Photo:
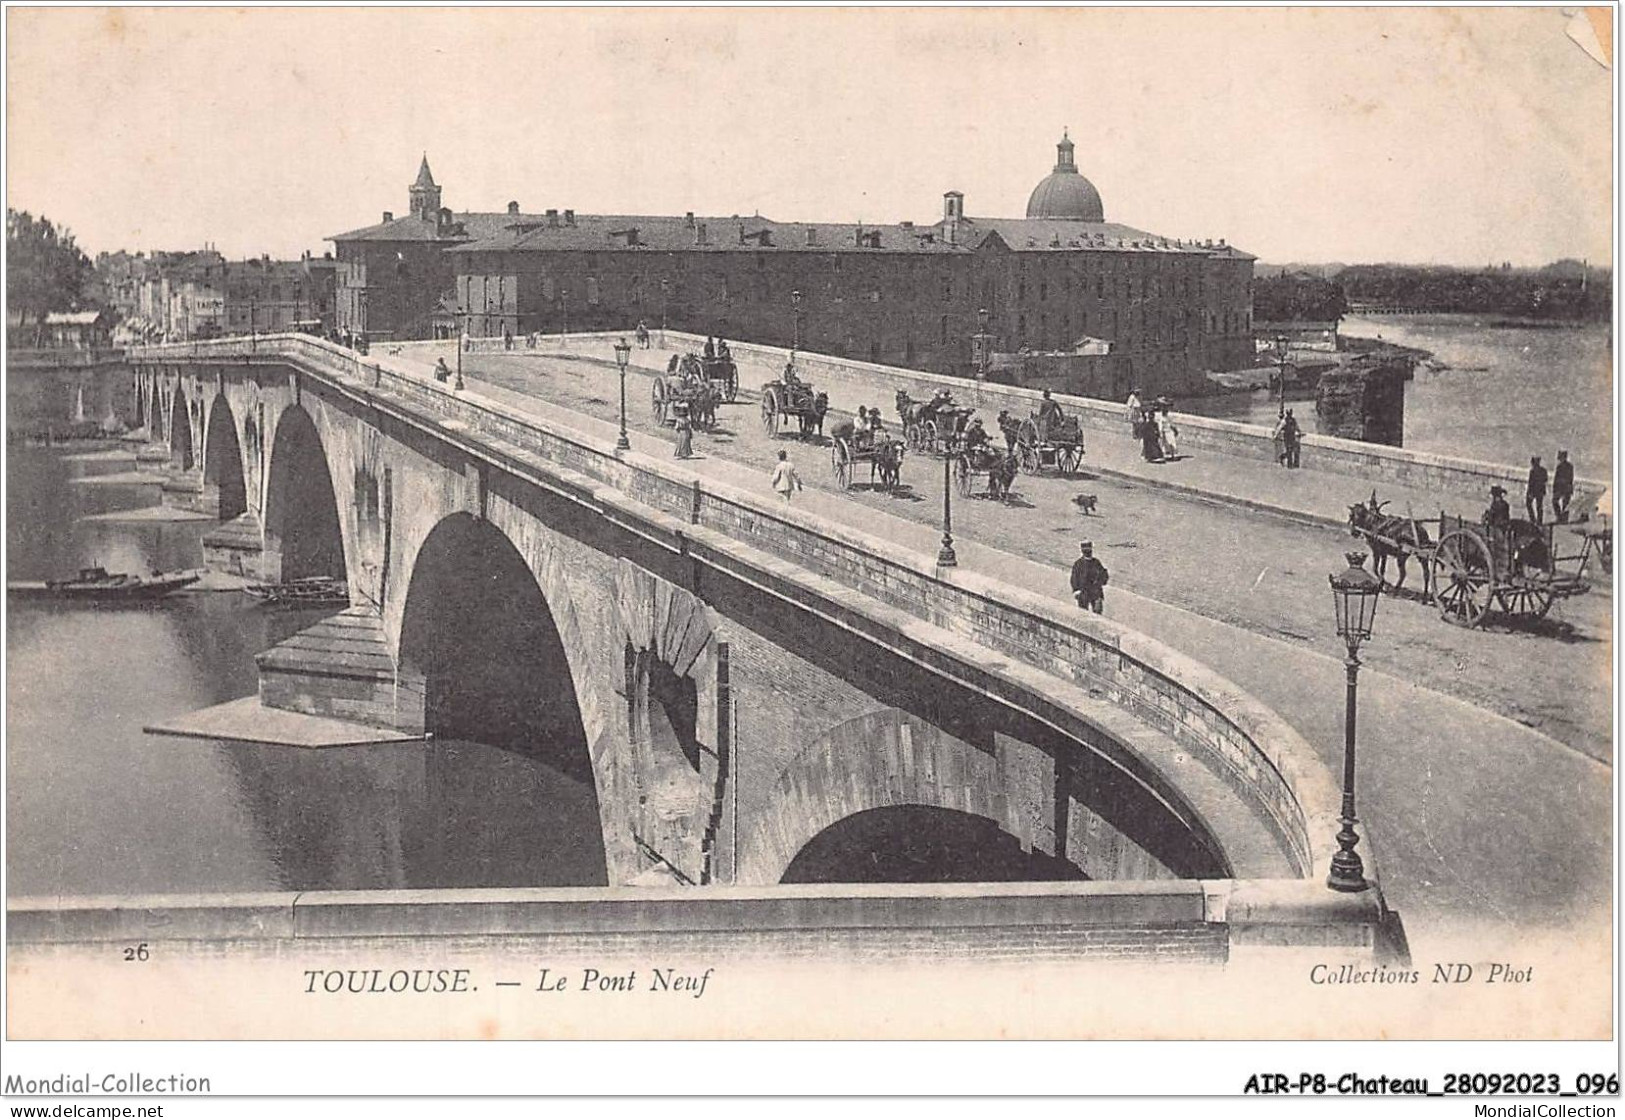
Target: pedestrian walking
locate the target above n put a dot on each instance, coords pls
(1150, 438)
(1089, 579)
(1133, 412)
(685, 431)
(785, 480)
(1167, 434)
(1291, 439)
(442, 372)
(1279, 438)
(1534, 492)
(1562, 487)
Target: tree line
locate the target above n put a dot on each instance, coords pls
(45, 271)
(1566, 291)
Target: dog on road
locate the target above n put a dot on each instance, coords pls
(1085, 503)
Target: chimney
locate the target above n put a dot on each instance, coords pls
(688, 219)
(569, 217)
(552, 219)
(389, 216)
(857, 237)
(700, 237)
(513, 207)
(907, 225)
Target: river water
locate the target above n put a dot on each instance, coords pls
(1501, 394)
(95, 806)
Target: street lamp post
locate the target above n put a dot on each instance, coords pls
(1280, 378)
(983, 345)
(462, 343)
(1354, 593)
(946, 557)
(795, 311)
(623, 354)
(665, 305)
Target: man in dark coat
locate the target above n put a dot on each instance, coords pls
(1291, 438)
(1049, 417)
(1499, 515)
(1534, 494)
(1562, 487)
(1089, 579)
(1150, 439)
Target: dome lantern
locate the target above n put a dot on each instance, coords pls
(1064, 193)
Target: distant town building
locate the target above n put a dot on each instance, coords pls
(77, 330)
(199, 294)
(1130, 306)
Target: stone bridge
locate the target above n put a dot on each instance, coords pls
(757, 698)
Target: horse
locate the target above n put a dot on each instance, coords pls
(1367, 520)
(812, 421)
(887, 463)
(1001, 476)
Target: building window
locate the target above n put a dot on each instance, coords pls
(592, 290)
(1043, 292)
(943, 337)
(948, 290)
(1021, 291)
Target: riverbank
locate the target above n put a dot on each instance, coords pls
(1492, 394)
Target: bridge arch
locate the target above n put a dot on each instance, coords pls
(889, 794)
(921, 844)
(481, 651)
(223, 460)
(303, 534)
(181, 455)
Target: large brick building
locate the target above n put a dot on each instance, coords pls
(903, 294)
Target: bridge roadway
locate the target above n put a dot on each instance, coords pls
(1483, 821)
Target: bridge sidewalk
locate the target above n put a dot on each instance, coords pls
(1449, 874)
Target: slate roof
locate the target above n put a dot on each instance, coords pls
(479, 232)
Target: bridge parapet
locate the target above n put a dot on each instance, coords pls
(1252, 749)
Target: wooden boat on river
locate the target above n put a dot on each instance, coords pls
(99, 585)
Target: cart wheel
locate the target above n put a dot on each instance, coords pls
(1071, 459)
(770, 414)
(962, 475)
(1527, 601)
(840, 463)
(1029, 458)
(1463, 578)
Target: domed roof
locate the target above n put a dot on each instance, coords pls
(1064, 193)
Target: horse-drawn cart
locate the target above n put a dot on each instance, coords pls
(933, 427)
(722, 375)
(781, 399)
(851, 446)
(985, 459)
(700, 397)
(1056, 446)
(1471, 569)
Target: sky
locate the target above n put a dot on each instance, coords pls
(1453, 136)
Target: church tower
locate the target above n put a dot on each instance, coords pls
(424, 194)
